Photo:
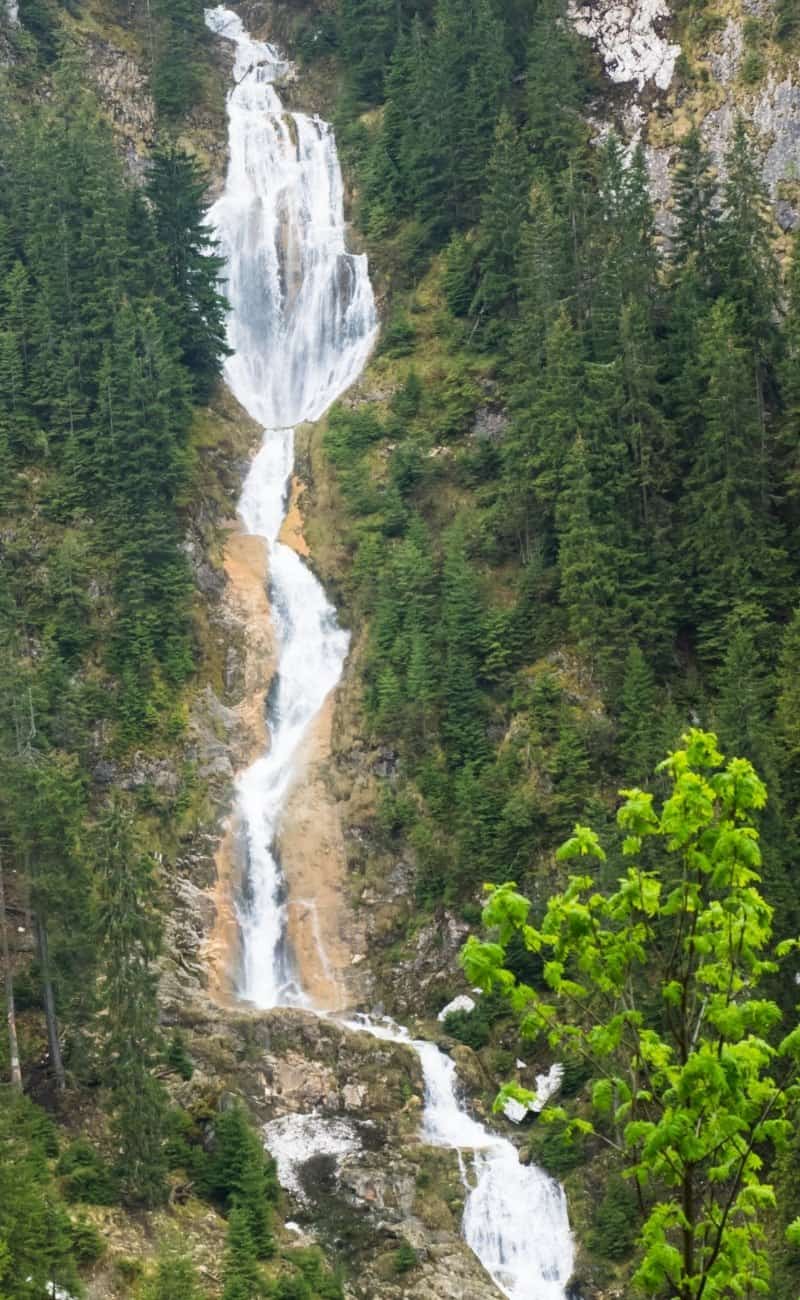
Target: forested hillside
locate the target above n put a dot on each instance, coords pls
(561, 515)
(569, 481)
(111, 345)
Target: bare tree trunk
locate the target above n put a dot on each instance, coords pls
(49, 1004)
(16, 1071)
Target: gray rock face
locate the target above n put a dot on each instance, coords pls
(341, 1113)
(630, 39)
(124, 92)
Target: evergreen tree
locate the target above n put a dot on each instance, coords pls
(694, 242)
(747, 262)
(639, 742)
(178, 37)
(177, 188)
(129, 939)
(175, 1279)
(367, 33)
(461, 632)
(554, 89)
(504, 205)
(241, 1279)
(587, 585)
(732, 544)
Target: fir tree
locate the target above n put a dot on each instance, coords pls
(639, 742)
(177, 189)
(129, 937)
(241, 1278)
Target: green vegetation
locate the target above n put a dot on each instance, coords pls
(571, 518)
(659, 985)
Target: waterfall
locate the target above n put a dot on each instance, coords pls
(301, 327)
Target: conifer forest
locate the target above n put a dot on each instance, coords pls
(400, 649)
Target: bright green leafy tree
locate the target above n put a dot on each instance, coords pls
(657, 985)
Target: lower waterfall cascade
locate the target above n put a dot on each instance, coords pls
(301, 327)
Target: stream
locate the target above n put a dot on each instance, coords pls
(301, 327)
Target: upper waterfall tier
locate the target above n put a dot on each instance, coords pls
(304, 318)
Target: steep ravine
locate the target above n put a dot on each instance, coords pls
(301, 328)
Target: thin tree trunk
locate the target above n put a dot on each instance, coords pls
(16, 1071)
(49, 1004)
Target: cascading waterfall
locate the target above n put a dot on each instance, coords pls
(301, 327)
(515, 1217)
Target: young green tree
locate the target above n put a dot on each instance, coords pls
(241, 1278)
(658, 987)
(241, 1174)
(175, 1278)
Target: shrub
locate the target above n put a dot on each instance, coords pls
(615, 1222)
(398, 335)
(86, 1177)
(405, 1258)
(469, 1027)
(87, 1243)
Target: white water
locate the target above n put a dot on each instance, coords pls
(302, 324)
(301, 327)
(515, 1217)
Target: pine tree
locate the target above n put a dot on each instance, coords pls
(178, 37)
(747, 261)
(554, 89)
(241, 1278)
(505, 202)
(639, 742)
(732, 544)
(367, 33)
(177, 188)
(694, 185)
(588, 587)
(544, 429)
(462, 641)
(129, 939)
(625, 246)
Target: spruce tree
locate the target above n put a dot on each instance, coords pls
(696, 212)
(639, 741)
(747, 262)
(241, 1277)
(732, 543)
(177, 188)
(129, 941)
(554, 89)
(505, 202)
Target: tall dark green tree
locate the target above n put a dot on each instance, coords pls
(177, 189)
(129, 941)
